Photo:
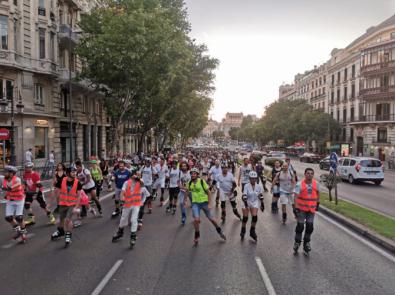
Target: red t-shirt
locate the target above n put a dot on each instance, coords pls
(31, 179)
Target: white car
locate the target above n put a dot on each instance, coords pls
(356, 169)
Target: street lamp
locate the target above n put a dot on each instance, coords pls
(19, 108)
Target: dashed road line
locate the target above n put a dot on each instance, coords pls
(265, 277)
(107, 278)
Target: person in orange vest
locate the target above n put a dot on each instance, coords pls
(68, 199)
(307, 201)
(15, 196)
(133, 196)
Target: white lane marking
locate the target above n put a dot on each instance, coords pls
(265, 277)
(107, 278)
(13, 243)
(359, 238)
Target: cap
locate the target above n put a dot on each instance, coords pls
(253, 174)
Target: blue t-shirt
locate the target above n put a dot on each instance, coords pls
(121, 177)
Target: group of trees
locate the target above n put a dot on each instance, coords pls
(151, 72)
(290, 121)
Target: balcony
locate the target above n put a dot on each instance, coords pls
(390, 118)
(384, 92)
(66, 35)
(64, 75)
(9, 58)
(318, 97)
(378, 68)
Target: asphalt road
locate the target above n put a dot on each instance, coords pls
(165, 262)
(380, 198)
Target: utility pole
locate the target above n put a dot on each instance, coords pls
(70, 90)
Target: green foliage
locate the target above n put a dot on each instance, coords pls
(153, 72)
(218, 134)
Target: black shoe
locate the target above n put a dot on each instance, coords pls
(57, 234)
(115, 213)
(117, 235)
(242, 233)
(306, 247)
(253, 234)
(296, 247)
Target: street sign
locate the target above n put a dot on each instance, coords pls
(4, 134)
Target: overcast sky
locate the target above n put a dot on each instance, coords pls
(262, 43)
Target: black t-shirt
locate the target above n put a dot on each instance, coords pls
(59, 179)
(69, 184)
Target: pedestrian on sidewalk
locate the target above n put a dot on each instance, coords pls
(201, 200)
(307, 201)
(29, 155)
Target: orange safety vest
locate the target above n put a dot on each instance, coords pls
(304, 201)
(133, 198)
(68, 198)
(17, 193)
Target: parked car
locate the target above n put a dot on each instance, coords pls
(273, 157)
(325, 163)
(310, 158)
(356, 169)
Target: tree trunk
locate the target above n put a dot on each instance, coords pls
(162, 144)
(141, 142)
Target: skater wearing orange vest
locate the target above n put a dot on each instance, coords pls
(307, 201)
(133, 195)
(69, 198)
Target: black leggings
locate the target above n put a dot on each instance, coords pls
(173, 194)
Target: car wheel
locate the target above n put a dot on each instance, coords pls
(351, 179)
(377, 182)
(321, 167)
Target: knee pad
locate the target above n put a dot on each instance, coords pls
(233, 203)
(223, 204)
(27, 206)
(245, 219)
(9, 218)
(19, 218)
(309, 228)
(41, 201)
(255, 218)
(299, 228)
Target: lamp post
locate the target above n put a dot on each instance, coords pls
(4, 108)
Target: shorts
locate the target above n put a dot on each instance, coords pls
(117, 194)
(88, 190)
(196, 207)
(250, 204)
(14, 208)
(173, 192)
(303, 217)
(160, 183)
(65, 212)
(30, 197)
(286, 198)
(223, 196)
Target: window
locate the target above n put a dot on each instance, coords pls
(15, 35)
(41, 36)
(351, 134)
(382, 111)
(338, 115)
(344, 134)
(338, 77)
(345, 74)
(333, 80)
(353, 91)
(382, 135)
(338, 94)
(38, 94)
(85, 104)
(353, 162)
(4, 31)
(9, 89)
(323, 90)
(353, 71)
(40, 142)
(346, 162)
(52, 46)
(332, 97)
(324, 79)
(345, 93)
(352, 114)
(16, 2)
(344, 115)
(41, 7)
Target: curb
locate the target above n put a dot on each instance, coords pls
(360, 229)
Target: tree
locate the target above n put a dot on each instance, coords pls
(218, 134)
(140, 50)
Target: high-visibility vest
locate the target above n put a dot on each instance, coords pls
(304, 201)
(66, 197)
(17, 193)
(133, 198)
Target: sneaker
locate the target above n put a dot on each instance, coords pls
(92, 211)
(168, 209)
(77, 223)
(52, 219)
(30, 220)
(296, 247)
(57, 234)
(115, 213)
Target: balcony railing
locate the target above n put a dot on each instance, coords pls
(383, 92)
(65, 34)
(378, 68)
(376, 118)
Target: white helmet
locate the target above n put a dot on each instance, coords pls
(194, 170)
(29, 165)
(11, 169)
(253, 174)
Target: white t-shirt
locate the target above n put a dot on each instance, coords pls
(205, 167)
(215, 172)
(82, 176)
(252, 193)
(226, 182)
(174, 177)
(185, 178)
(51, 158)
(245, 173)
(162, 171)
(146, 174)
(29, 156)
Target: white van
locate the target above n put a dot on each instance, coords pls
(356, 169)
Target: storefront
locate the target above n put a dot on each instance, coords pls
(5, 146)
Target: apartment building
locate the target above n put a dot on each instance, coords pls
(357, 87)
(287, 92)
(37, 39)
(231, 120)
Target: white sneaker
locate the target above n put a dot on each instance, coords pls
(93, 211)
(77, 223)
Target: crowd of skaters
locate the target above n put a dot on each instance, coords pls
(193, 178)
